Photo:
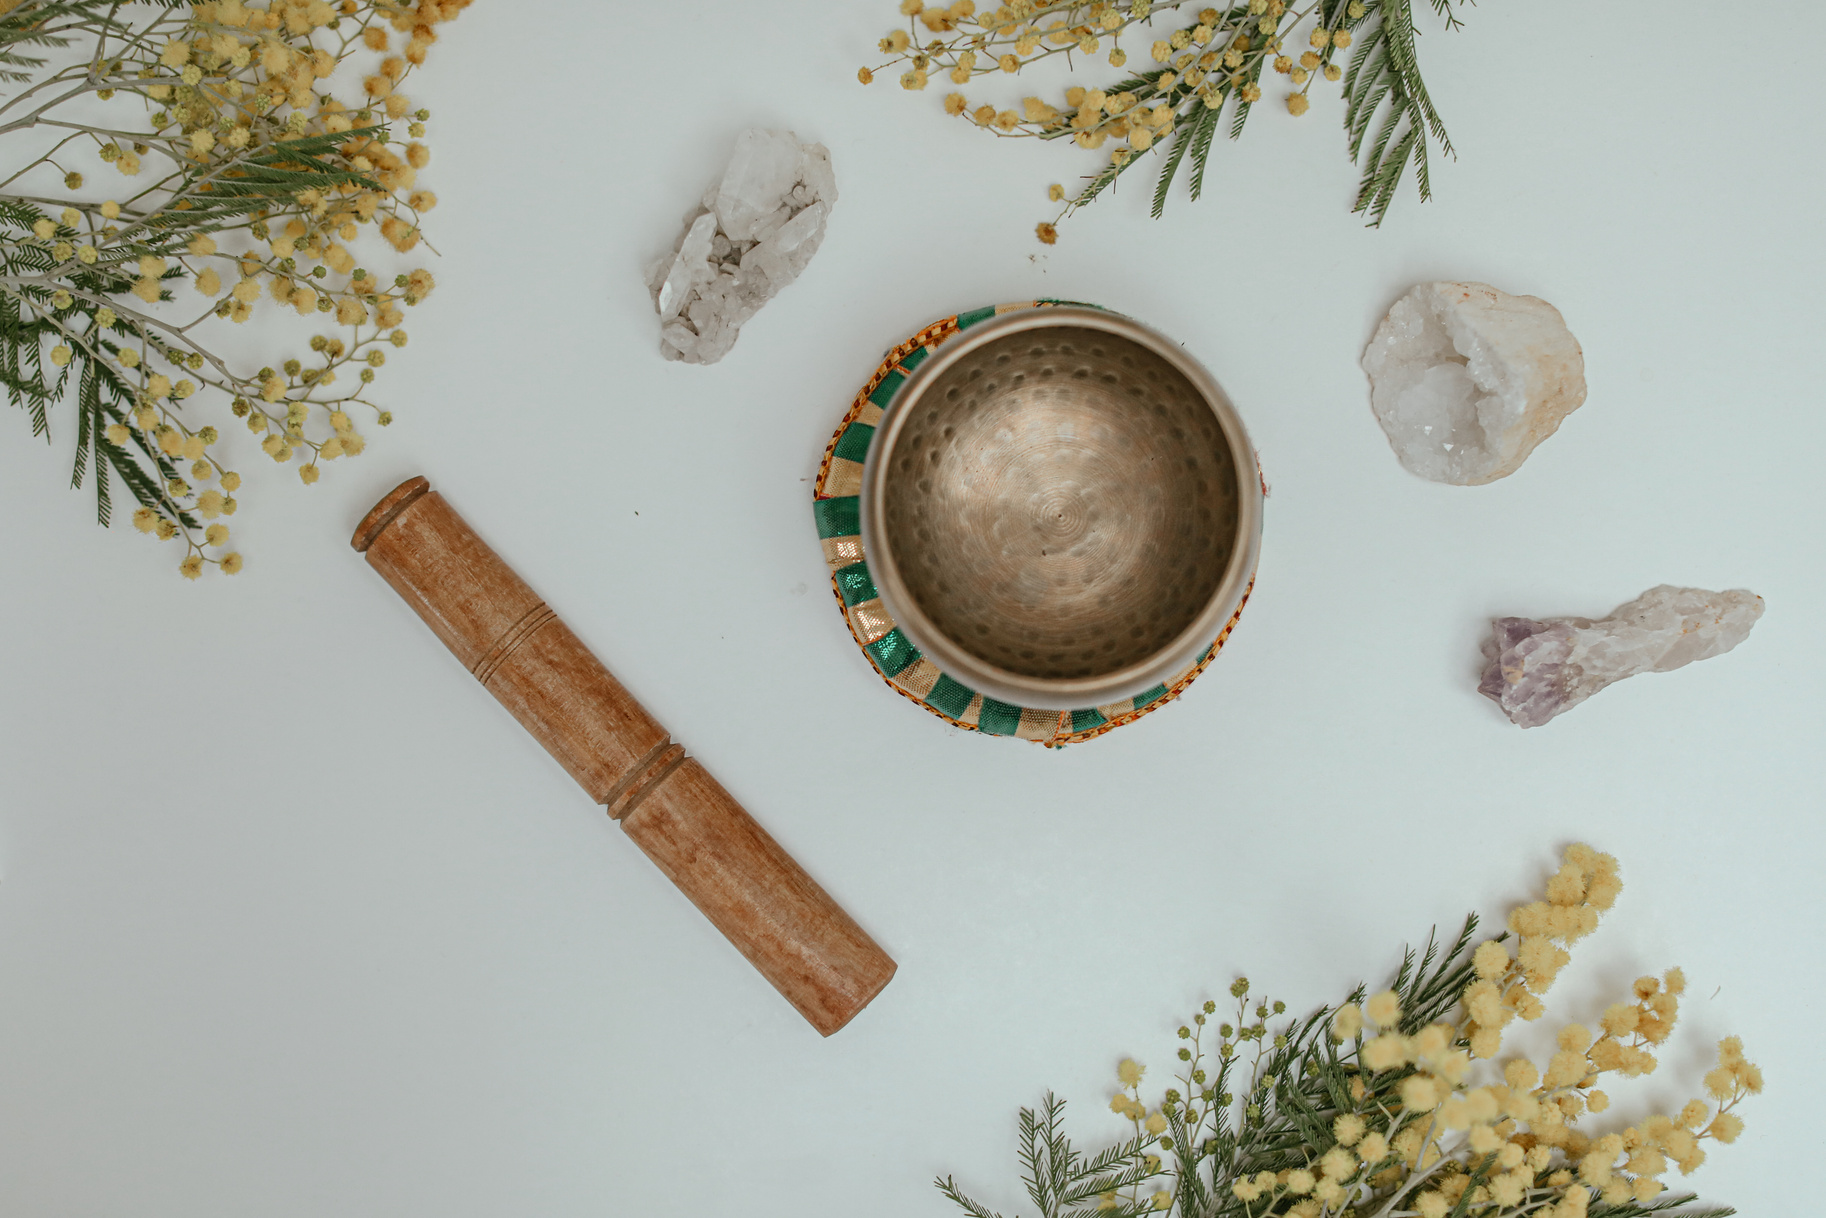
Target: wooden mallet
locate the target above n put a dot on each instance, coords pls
(682, 818)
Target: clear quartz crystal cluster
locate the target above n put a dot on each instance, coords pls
(1466, 380)
(758, 228)
(1535, 670)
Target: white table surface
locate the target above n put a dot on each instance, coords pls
(295, 921)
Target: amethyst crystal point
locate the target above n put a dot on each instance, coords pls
(1535, 670)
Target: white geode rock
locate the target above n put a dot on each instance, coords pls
(1535, 670)
(1466, 379)
(760, 224)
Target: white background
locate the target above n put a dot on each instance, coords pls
(296, 921)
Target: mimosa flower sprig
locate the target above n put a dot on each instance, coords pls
(1393, 1104)
(228, 170)
(1214, 58)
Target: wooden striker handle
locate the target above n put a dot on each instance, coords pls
(682, 818)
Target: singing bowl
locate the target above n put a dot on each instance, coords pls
(1061, 508)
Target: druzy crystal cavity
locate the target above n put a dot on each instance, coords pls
(758, 227)
(1534, 670)
(1466, 380)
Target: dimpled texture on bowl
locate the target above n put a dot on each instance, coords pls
(1062, 503)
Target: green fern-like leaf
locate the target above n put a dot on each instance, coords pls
(1670, 1206)
(1384, 80)
(1181, 143)
(948, 1187)
(1205, 129)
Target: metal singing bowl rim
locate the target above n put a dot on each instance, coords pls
(1059, 693)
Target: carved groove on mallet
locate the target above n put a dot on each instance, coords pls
(643, 777)
(517, 634)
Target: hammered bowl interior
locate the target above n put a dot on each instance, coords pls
(1061, 502)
